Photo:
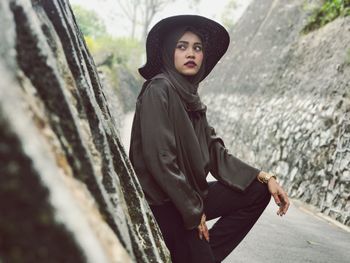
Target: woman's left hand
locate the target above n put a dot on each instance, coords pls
(203, 229)
(279, 195)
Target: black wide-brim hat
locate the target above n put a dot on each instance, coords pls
(216, 41)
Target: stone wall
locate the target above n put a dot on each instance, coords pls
(67, 190)
(282, 102)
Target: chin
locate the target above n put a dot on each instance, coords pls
(189, 73)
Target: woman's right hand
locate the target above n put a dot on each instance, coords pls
(203, 229)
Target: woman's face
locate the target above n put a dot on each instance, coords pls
(188, 55)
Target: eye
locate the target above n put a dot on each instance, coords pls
(198, 48)
(181, 46)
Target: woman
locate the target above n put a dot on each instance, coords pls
(173, 148)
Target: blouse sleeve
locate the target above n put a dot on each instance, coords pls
(225, 167)
(159, 150)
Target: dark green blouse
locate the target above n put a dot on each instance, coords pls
(172, 151)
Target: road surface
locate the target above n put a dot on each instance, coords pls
(299, 236)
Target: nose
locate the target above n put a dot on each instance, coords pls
(190, 53)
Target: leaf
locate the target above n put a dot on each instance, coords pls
(313, 243)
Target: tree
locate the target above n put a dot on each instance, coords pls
(150, 8)
(106, 49)
(89, 22)
(130, 10)
(142, 12)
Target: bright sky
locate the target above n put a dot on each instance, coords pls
(119, 26)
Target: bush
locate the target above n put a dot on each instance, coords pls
(111, 51)
(106, 49)
(89, 22)
(117, 59)
(330, 10)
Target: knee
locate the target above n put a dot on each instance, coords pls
(261, 193)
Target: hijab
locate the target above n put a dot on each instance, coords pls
(186, 86)
(191, 142)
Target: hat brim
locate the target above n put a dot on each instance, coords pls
(216, 37)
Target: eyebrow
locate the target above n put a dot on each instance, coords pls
(186, 42)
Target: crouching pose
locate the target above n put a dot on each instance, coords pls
(173, 148)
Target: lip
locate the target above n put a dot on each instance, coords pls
(190, 64)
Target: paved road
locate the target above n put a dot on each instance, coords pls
(298, 237)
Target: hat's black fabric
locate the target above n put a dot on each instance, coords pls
(216, 41)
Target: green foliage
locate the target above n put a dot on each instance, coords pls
(111, 51)
(330, 10)
(89, 22)
(106, 49)
(117, 58)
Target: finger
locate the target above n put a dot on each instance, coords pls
(286, 203)
(206, 232)
(276, 198)
(200, 232)
(280, 211)
(280, 204)
(285, 209)
(203, 219)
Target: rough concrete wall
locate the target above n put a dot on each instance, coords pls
(282, 102)
(67, 190)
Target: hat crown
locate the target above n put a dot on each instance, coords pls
(216, 41)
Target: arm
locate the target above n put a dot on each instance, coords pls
(159, 151)
(235, 173)
(277, 192)
(227, 168)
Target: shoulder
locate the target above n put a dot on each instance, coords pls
(155, 93)
(157, 87)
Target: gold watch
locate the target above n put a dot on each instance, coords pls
(266, 178)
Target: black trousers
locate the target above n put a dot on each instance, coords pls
(237, 214)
